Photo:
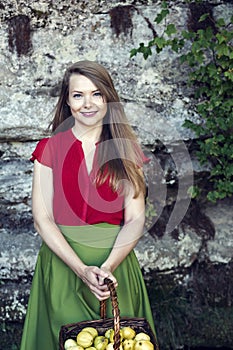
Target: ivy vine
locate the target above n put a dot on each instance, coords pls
(210, 58)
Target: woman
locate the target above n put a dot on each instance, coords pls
(88, 207)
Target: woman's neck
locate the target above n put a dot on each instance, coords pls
(90, 135)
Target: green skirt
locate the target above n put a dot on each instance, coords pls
(59, 297)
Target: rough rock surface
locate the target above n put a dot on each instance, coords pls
(186, 252)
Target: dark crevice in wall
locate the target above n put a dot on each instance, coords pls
(194, 218)
(196, 10)
(121, 19)
(19, 35)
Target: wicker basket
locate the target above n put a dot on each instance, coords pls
(103, 324)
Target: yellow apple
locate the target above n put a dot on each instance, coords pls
(128, 344)
(84, 339)
(91, 330)
(128, 333)
(142, 336)
(143, 345)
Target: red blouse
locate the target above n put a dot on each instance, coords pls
(77, 200)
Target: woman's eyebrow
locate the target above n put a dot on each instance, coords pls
(84, 91)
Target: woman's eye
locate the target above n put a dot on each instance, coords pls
(97, 94)
(77, 95)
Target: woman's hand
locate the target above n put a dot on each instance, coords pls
(93, 277)
(110, 275)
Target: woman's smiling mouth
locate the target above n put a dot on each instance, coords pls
(89, 114)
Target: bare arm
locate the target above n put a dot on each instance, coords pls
(130, 233)
(42, 197)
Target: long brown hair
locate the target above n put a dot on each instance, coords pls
(120, 156)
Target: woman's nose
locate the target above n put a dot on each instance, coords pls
(87, 101)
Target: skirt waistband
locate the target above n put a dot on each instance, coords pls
(101, 235)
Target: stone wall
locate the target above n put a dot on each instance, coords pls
(186, 253)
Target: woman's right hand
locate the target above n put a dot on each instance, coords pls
(94, 277)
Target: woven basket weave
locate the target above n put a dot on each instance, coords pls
(103, 324)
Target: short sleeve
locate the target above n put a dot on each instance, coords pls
(141, 157)
(42, 153)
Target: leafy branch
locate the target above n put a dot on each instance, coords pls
(210, 58)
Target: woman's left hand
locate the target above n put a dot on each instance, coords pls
(110, 276)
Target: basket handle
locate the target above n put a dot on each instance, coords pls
(115, 312)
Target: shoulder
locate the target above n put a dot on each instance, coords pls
(39, 150)
(49, 148)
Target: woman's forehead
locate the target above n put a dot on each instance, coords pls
(80, 82)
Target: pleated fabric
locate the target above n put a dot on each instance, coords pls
(59, 297)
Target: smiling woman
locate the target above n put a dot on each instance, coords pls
(89, 208)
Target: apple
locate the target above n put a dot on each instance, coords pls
(112, 336)
(128, 333)
(142, 336)
(128, 344)
(84, 339)
(91, 330)
(143, 345)
(69, 342)
(110, 346)
(108, 333)
(100, 342)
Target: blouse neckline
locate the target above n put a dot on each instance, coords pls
(77, 139)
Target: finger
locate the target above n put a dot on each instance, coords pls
(102, 295)
(102, 281)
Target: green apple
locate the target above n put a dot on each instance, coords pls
(108, 333)
(100, 342)
(69, 342)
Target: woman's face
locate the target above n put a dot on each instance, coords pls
(86, 102)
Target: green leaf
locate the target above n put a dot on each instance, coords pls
(171, 29)
(221, 38)
(133, 52)
(203, 17)
(161, 42)
(220, 22)
(188, 35)
(194, 191)
(223, 50)
(159, 18)
(147, 52)
(229, 74)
